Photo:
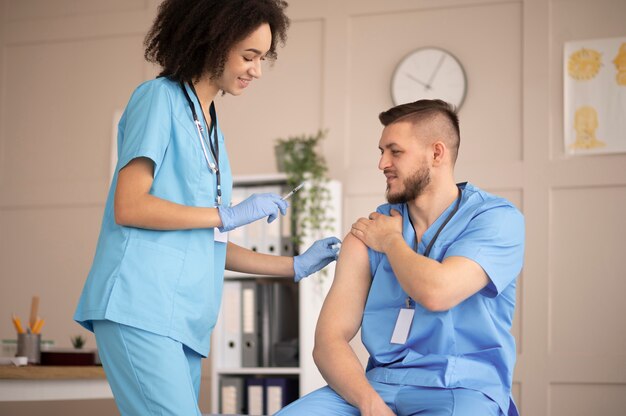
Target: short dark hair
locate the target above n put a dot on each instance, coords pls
(191, 37)
(422, 110)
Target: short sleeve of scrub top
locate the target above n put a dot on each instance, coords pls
(374, 256)
(147, 129)
(493, 240)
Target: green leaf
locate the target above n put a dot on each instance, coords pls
(299, 158)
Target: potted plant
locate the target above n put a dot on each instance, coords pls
(299, 159)
(78, 341)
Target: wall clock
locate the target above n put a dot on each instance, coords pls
(429, 73)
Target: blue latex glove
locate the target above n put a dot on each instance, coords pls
(253, 208)
(316, 257)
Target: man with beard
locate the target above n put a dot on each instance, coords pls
(430, 280)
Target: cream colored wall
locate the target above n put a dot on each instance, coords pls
(66, 66)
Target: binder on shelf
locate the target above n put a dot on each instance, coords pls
(232, 398)
(279, 392)
(286, 353)
(284, 325)
(265, 299)
(250, 330)
(278, 323)
(287, 246)
(230, 339)
(255, 389)
(254, 235)
(271, 241)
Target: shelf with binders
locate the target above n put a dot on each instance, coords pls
(256, 365)
(263, 341)
(258, 326)
(259, 371)
(264, 395)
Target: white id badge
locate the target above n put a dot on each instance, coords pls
(219, 236)
(403, 325)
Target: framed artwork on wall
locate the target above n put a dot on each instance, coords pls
(594, 74)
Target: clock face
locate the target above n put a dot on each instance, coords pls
(429, 73)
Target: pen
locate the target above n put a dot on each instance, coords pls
(34, 309)
(296, 189)
(17, 324)
(37, 328)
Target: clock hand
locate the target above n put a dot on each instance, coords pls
(432, 77)
(426, 86)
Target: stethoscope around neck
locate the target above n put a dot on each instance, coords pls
(214, 145)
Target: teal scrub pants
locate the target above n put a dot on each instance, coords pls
(403, 400)
(149, 374)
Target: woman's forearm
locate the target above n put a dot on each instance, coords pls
(242, 260)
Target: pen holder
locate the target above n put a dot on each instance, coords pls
(29, 345)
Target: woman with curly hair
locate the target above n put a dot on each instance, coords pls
(154, 289)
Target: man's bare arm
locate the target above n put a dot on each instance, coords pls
(339, 322)
(436, 286)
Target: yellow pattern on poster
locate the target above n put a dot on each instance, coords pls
(620, 65)
(584, 64)
(585, 124)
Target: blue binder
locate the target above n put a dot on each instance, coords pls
(279, 392)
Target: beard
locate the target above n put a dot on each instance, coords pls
(414, 186)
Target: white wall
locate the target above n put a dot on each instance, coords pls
(66, 66)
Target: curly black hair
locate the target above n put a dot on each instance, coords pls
(191, 37)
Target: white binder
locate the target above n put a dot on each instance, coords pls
(250, 331)
(230, 342)
(271, 241)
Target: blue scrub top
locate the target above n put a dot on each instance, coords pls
(166, 282)
(469, 346)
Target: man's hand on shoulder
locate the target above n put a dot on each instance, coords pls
(378, 230)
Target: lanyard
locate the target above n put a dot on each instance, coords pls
(214, 145)
(432, 240)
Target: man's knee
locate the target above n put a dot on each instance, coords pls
(322, 402)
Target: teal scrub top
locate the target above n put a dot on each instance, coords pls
(166, 282)
(469, 346)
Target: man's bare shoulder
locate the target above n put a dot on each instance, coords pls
(353, 261)
(353, 246)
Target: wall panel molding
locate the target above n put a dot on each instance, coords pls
(77, 27)
(37, 10)
(582, 399)
(59, 128)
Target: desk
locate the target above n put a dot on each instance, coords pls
(32, 383)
